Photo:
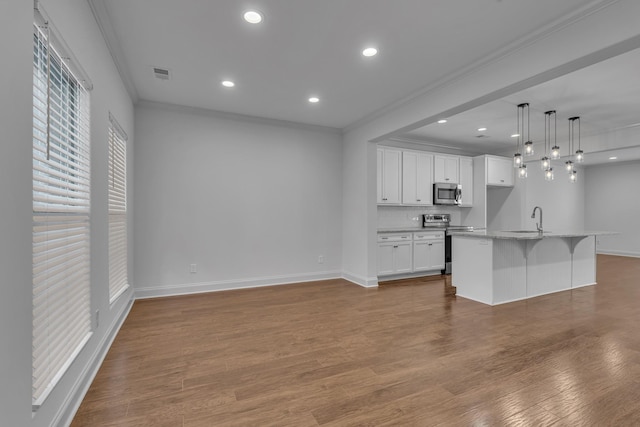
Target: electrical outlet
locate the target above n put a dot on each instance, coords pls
(320, 259)
(97, 318)
(193, 268)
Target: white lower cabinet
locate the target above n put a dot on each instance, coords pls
(428, 251)
(400, 253)
(394, 254)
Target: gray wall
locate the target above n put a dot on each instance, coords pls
(612, 203)
(250, 202)
(16, 47)
(562, 202)
(78, 27)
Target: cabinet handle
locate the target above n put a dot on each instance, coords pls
(446, 179)
(395, 246)
(430, 244)
(418, 200)
(384, 238)
(384, 198)
(502, 180)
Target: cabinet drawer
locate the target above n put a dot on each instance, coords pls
(400, 237)
(430, 235)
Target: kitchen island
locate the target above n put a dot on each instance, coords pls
(496, 267)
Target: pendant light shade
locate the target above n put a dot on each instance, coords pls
(548, 174)
(528, 148)
(573, 177)
(522, 171)
(579, 156)
(568, 166)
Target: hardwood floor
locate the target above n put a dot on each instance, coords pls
(332, 353)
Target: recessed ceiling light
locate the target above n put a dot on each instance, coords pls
(441, 121)
(481, 129)
(515, 135)
(253, 17)
(314, 99)
(370, 51)
(228, 83)
(612, 158)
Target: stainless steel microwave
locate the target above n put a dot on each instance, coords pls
(445, 193)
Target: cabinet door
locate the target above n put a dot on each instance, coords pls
(417, 178)
(385, 258)
(403, 259)
(436, 254)
(466, 180)
(445, 169)
(390, 180)
(421, 259)
(499, 171)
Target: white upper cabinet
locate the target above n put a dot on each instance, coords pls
(466, 180)
(499, 171)
(445, 169)
(389, 169)
(417, 178)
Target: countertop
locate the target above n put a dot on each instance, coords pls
(529, 234)
(408, 230)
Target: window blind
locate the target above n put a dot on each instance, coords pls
(118, 281)
(61, 173)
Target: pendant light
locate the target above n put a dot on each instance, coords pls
(518, 161)
(573, 174)
(528, 146)
(545, 162)
(579, 152)
(568, 165)
(555, 150)
(517, 158)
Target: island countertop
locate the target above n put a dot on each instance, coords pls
(527, 234)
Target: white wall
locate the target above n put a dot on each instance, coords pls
(76, 23)
(250, 202)
(612, 203)
(562, 202)
(16, 47)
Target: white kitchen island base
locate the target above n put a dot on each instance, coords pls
(500, 267)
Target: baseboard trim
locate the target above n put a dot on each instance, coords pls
(371, 282)
(227, 285)
(619, 253)
(68, 410)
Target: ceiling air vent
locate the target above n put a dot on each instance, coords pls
(161, 73)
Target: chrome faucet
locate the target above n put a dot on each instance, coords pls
(533, 215)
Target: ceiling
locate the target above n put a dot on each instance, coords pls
(606, 97)
(307, 48)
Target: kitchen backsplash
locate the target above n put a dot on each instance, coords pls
(411, 217)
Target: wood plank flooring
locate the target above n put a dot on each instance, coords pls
(332, 353)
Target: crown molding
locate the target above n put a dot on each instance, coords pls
(499, 54)
(110, 37)
(235, 116)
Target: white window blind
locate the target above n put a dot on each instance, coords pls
(61, 172)
(118, 281)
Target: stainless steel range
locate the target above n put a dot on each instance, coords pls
(443, 221)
